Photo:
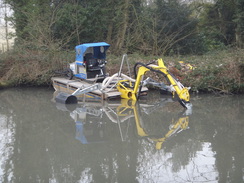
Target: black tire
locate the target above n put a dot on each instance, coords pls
(70, 74)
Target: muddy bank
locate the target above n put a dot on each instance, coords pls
(221, 71)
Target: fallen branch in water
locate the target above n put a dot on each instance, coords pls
(220, 91)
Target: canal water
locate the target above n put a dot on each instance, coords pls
(154, 140)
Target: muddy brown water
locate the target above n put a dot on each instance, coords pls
(154, 140)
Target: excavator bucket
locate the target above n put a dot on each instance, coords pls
(186, 105)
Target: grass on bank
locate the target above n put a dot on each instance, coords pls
(220, 71)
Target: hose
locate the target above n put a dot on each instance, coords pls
(108, 80)
(151, 69)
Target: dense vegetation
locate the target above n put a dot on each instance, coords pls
(207, 34)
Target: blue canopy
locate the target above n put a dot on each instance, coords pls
(97, 49)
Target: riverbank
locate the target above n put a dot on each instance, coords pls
(220, 71)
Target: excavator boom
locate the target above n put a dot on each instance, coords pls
(134, 93)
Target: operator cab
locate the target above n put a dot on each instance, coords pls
(90, 61)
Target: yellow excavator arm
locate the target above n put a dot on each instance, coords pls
(133, 92)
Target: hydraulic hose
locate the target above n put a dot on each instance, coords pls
(151, 69)
(146, 66)
(154, 70)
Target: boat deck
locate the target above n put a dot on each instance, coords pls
(69, 86)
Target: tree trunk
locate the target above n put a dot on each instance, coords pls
(110, 31)
(239, 40)
(6, 28)
(122, 31)
(239, 31)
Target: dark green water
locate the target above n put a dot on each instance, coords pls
(152, 141)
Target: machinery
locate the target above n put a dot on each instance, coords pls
(130, 91)
(90, 61)
(90, 66)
